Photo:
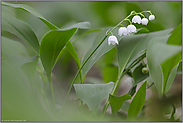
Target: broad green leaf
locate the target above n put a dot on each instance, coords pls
(93, 94)
(27, 64)
(32, 11)
(51, 45)
(12, 47)
(168, 83)
(130, 46)
(138, 76)
(29, 68)
(18, 61)
(20, 29)
(107, 76)
(176, 36)
(137, 103)
(117, 102)
(161, 59)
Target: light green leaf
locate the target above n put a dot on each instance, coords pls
(117, 102)
(93, 94)
(20, 29)
(27, 64)
(18, 61)
(161, 59)
(12, 47)
(130, 46)
(51, 45)
(176, 36)
(137, 103)
(32, 11)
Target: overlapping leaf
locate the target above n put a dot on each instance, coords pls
(93, 94)
(162, 60)
(117, 102)
(32, 11)
(137, 103)
(20, 29)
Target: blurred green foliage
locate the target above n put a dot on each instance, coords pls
(100, 14)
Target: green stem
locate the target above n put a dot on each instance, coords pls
(52, 93)
(135, 62)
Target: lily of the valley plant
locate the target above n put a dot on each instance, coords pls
(130, 28)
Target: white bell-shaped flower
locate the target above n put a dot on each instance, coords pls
(122, 31)
(112, 40)
(136, 19)
(151, 17)
(131, 28)
(145, 21)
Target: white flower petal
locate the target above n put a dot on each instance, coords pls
(151, 17)
(131, 28)
(145, 21)
(136, 19)
(112, 40)
(122, 31)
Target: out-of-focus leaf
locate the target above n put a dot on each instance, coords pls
(32, 11)
(138, 76)
(18, 61)
(176, 36)
(12, 47)
(29, 68)
(93, 94)
(130, 46)
(51, 45)
(161, 59)
(179, 69)
(18, 101)
(137, 103)
(20, 29)
(117, 102)
(107, 76)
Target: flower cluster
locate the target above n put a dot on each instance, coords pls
(130, 28)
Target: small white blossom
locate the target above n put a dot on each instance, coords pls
(122, 31)
(112, 40)
(151, 17)
(145, 21)
(136, 19)
(131, 28)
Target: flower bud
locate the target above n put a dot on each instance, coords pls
(151, 17)
(122, 31)
(131, 28)
(145, 70)
(136, 19)
(145, 21)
